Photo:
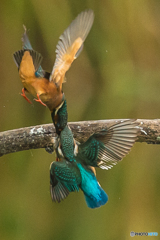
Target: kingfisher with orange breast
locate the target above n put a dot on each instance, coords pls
(47, 87)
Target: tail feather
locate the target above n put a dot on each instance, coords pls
(95, 203)
(95, 196)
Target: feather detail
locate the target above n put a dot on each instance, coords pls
(27, 46)
(95, 196)
(67, 144)
(25, 40)
(70, 45)
(117, 143)
(58, 192)
(64, 178)
(24, 55)
(17, 56)
(107, 147)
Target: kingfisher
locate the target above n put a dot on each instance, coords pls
(68, 174)
(47, 87)
(76, 162)
(66, 177)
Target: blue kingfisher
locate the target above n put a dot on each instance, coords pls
(76, 162)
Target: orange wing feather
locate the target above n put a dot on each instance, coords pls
(70, 45)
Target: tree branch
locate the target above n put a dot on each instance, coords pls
(44, 136)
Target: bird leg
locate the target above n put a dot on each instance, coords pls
(39, 100)
(24, 95)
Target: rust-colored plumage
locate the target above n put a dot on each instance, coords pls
(47, 87)
(47, 92)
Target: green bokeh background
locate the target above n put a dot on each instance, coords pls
(116, 76)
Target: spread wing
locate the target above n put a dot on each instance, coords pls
(64, 178)
(25, 40)
(106, 148)
(27, 46)
(70, 45)
(36, 58)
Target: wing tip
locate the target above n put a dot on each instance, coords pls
(74, 35)
(58, 192)
(17, 57)
(122, 137)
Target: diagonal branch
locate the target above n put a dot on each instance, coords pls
(43, 136)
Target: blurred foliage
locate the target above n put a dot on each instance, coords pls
(116, 76)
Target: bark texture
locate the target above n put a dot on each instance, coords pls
(44, 136)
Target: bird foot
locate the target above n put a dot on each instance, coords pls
(39, 100)
(24, 95)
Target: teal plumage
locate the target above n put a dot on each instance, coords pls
(103, 149)
(67, 144)
(95, 196)
(106, 148)
(66, 177)
(60, 116)
(66, 140)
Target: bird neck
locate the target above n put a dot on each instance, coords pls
(60, 117)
